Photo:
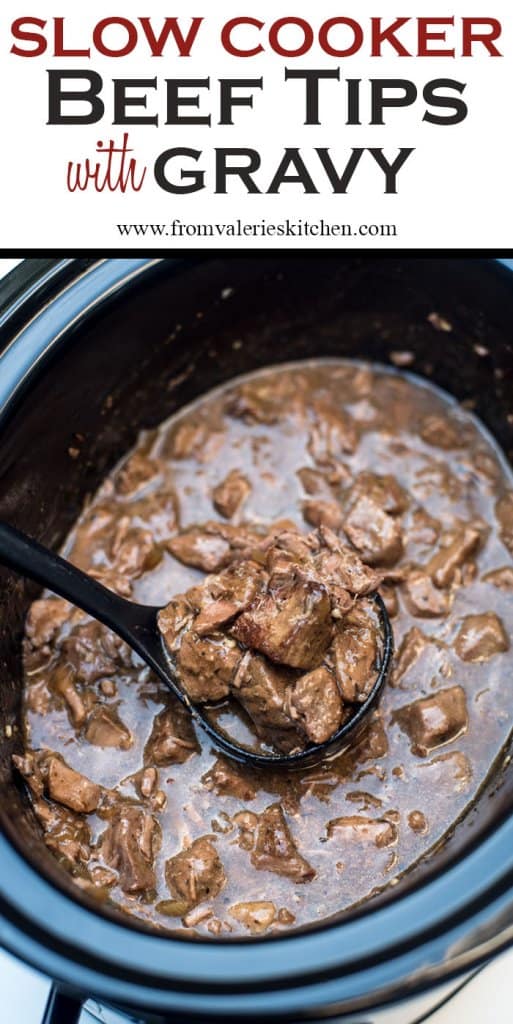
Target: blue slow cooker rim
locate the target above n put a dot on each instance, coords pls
(432, 932)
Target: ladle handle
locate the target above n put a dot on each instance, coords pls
(28, 557)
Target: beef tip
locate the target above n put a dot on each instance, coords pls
(373, 532)
(423, 598)
(332, 435)
(174, 620)
(434, 721)
(45, 618)
(198, 440)
(501, 578)
(221, 597)
(257, 917)
(133, 550)
(29, 766)
(262, 689)
(264, 399)
(481, 637)
(388, 594)
(438, 431)
(337, 563)
(195, 874)
(360, 829)
(384, 491)
(228, 779)
(85, 650)
(66, 834)
(63, 683)
(212, 546)
(372, 743)
(315, 483)
(354, 654)
(231, 493)
(412, 645)
(71, 788)
(207, 665)
(135, 474)
(318, 512)
(275, 849)
(105, 729)
(129, 845)
(504, 516)
(314, 701)
(172, 739)
(291, 623)
(443, 566)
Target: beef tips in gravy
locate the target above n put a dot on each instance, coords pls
(261, 520)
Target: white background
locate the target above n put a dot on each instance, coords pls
(454, 191)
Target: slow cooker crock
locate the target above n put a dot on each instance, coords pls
(100, 349)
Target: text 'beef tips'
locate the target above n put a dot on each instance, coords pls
(285, 627)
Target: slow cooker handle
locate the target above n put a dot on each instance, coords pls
(62, 1008)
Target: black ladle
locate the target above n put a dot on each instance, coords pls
(137, 625)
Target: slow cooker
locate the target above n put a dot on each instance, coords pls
(151, 334)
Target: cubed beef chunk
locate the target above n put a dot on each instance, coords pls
(229, 496)
(29, 765)
(88, 651)
(207, 665)
(275, 850)
(481, 637)
(337, 563)
(263, 400)
(65, 833)
(257, 916)
(71, 788)
(135, 474)
(504, 516)
(443, 566)
(262, 689)
(438, 431)
(221, 597)
(423, 598)
(172, 739)
(45, 618)
(314, 701)
(412, 645)
(354, 653)
(229, 779)
(332, 435)
(105, 729)
(500, 578)
(385, 491)
(434, 721)
(195, 874)
(174, 620)
(359, 829)
(133, 550)
(373, 532)
(314, 482)
(291, 623)
(212, 546)
(129, 845)
(320, 512)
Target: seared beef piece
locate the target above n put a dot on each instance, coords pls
(172, 739)
(434, 721)
(174, 620)
(256, 916)
(45, 618)
(481, 637)
(219, 598)
(129, 845)
(71, 788)
(440, 432)
(501, 578)
(262, 689)
(354, 654)
(373, 532)
(291, 623)
(275, 849)
(410, 649)
(338, 564)
(388, 594)
(315, 483)
(88, 651)
(133, 549)
(359, 829)
(231, 493)
(67, 834)
(63, 682)
(504, 516)
(332, 436)
(384, 491)
(211, 546)
(423, 528)
(105, 729)
(229, 779)
(188, 439)
(443, 566)
(146, 781)
(264, 399)
(195, 874)
(207, 665)
(318, 512)
(315, 702)
(29, 765)
(135, 474)
(423, 598)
